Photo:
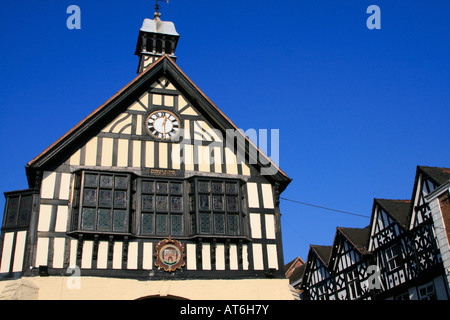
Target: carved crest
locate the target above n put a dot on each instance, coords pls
(169, 255)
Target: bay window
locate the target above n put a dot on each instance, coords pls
(215, 207)
(161, 207)
(123, 203)
(18, 209)
(102, 202)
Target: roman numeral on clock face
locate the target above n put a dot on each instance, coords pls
(163, 124)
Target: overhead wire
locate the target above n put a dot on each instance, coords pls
(295, 230)
(325, 208)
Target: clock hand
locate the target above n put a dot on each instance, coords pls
(164, 123)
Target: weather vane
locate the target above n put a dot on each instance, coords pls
(157, 5)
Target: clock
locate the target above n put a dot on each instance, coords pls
(163, 124)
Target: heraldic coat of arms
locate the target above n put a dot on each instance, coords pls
(169, 255)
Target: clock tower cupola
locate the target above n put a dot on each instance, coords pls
(156, 38)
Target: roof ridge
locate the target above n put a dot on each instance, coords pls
(399, 210)
(325, 260)
(95, 111)
(383, 199)
(434, 167)
(360, 244)
(167, 64)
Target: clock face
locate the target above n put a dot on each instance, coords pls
(163, 124)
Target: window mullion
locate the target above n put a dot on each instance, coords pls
(113, 199)
(161, 208)
(81, 202)
(197, 207)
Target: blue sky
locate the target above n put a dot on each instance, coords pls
(357, 109)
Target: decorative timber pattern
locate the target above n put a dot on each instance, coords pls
(395, 257)
(104, 195)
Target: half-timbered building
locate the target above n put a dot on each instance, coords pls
(155, 193)
(403, 254)
(338, 272)
(439, 202)
(317, 282)
(428, 230)
(392, 248)
(348, 263)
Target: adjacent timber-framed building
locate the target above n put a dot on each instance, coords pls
(156, 193)
(402, 255)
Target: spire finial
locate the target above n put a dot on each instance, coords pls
(157, 7)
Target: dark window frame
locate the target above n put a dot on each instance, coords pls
(207, 216)
(226, 217)
(393, 256)
(427, 291)
(22, 216)
(353, 284)
(170, 212)
(114, 203)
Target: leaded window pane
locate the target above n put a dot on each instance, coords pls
(176, 204)
(13, 207)
(120, 198)
(193, 223)
(162, 187)
(121, 182)
(105, 198)
(217, 187)
(233, 224)
(161, 203)
(203, 186)
(219, 223)
(76, 198)
(106, 181)
(90, 197)
(90, 180)
(175, 188)
(147, 223)
(231, 187)
(26, 204)
(191, 203)
(120, 221)
(148, 187)
(104, 220)
(147, 202)
(232, 203)
(161, 224)
(218, 203)
(177, 225)
(204, 202)
(88, 219)
(205, 223)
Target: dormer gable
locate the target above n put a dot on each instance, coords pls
(162, 86)
(388, 221)
(426, 181)
(349, 245)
